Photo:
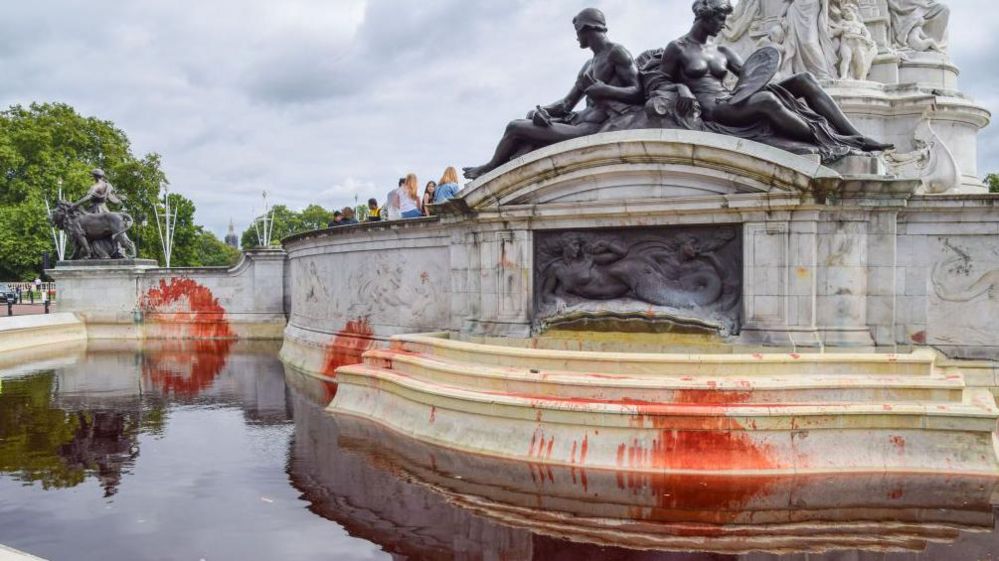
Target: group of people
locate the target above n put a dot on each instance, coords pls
(405, 200)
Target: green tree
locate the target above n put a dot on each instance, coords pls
(315, 217)
(45, 147)
(286, 223)
(992, 180)
(213, 252)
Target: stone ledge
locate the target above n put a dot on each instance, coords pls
(9, 554)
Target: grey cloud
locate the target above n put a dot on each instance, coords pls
(322, 100)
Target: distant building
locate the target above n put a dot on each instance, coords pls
(231, 239)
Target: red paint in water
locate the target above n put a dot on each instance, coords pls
(185, 368)
(185, 310)
(676, 496)
(348, 346)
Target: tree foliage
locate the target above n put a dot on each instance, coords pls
(287, 223)
(992, 180)
(48, 147)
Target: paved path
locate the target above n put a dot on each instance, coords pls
(26, 309)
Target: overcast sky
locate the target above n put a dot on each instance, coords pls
(324, 100)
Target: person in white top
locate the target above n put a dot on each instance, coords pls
(391, 209)
(409, 197)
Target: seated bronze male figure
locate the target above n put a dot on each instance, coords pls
(609, 82)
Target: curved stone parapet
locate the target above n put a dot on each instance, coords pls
(738, 414)
(645, 164)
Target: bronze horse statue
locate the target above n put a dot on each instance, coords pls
(95, 236)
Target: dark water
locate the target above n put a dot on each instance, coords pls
(212, 452)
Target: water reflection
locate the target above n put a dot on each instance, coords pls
(423, 502)
(50, 438)
(83, 419)
(127, 453)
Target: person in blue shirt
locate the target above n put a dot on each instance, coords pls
(448, 186)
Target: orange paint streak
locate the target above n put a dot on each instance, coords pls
(711, 397)
(187, 309)
(348, 346)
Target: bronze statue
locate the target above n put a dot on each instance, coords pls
(96, 232)
(100, 194)
(795, 114)
(609, 82)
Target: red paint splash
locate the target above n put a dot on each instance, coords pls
(348, 346)
(187, 310)
(711, 397)
(919, 338)
(200, 336)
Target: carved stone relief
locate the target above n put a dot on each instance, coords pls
(382, 288)
(956, 280)
(932, 162)
(962, 314)
(677, 279)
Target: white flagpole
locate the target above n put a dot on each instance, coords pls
(169, 226)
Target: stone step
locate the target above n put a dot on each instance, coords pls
(759, 414)
(691, 390)
(918, 363)
(977, 411)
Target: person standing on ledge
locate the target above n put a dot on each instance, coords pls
(609, 82)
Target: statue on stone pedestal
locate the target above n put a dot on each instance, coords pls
(857, 47)
(919, 25)
(609, 83)
(795, 114)
(805, 39)
(96, 232)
